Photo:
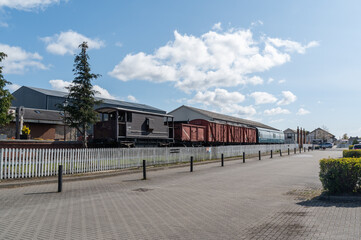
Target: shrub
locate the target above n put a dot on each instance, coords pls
(350, 147)
(341, 175)
(351, 153)
(25, 130)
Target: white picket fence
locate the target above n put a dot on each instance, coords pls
(28, 163)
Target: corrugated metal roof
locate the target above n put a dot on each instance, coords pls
(218, 116)
(42, 116)
(107, 102)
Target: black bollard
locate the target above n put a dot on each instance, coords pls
(271, 154)
(288, 150)
(308, 148)
(300, 150)
(304, 149)
(192, 164)
(295, 150)
(280, 153)
(244, 157)
(60, 178)
(222, 160)
(259, 155)
(144, 170)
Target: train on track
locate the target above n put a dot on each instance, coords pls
(184, 126)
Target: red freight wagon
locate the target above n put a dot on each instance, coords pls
(189, 133)
(215, 132)
(234, 134)
(249, 135)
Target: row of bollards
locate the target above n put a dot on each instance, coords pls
(60, 169)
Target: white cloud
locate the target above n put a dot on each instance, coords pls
(118, 44)
(281, 81)
(27, 4)
(217, 26)
(227, 102)
(288, 98)
(60, 85)
(68, 42)
(102, 92)
(256, 23)
(132, 98)
(303, 111)
(18, 61)
(4, 24)
(276, 111)
(215, 59)
(263, 97)
(291, 46)
(219, 97)
(270, 80)
(13, 87)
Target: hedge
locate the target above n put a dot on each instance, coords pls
(352, 153)
(341, 175)
(350, 147)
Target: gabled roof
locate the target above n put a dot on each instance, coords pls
(289, 129)
(111, 102)
(323, 131)
(222, 117)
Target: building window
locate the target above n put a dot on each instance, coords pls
(289, 135)
(129, 117)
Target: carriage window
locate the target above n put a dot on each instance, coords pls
(129, 117)
(121, 117)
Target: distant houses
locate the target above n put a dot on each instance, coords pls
(317, 135)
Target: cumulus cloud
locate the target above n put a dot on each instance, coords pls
(26, 4)
(288, 98)
(281, 81)
(227, 102)
(68, 42)
(263, 97)
(60, 85)
(292, 46)
(218, 97)
(302, 111)
(215, 59)
(276, 111)
(18, 61)
(270, 80)
(217, 26)
(132, 98)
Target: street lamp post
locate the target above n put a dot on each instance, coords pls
(65, 104)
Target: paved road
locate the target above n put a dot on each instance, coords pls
(265, 199)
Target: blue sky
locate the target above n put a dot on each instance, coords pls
(284, 63)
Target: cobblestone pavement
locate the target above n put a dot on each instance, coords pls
(268, 199)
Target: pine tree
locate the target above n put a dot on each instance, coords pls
(81, 100)
(5, 97)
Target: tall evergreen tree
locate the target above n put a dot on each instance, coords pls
(81, 100)
(5, 97)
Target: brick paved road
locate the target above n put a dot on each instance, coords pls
(258, 200)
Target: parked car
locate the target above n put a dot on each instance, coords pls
(357, 146)
(326, 145)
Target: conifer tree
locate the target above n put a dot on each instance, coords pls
(5, 97)
(81, 100)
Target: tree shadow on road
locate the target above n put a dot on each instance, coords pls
(333, 201)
